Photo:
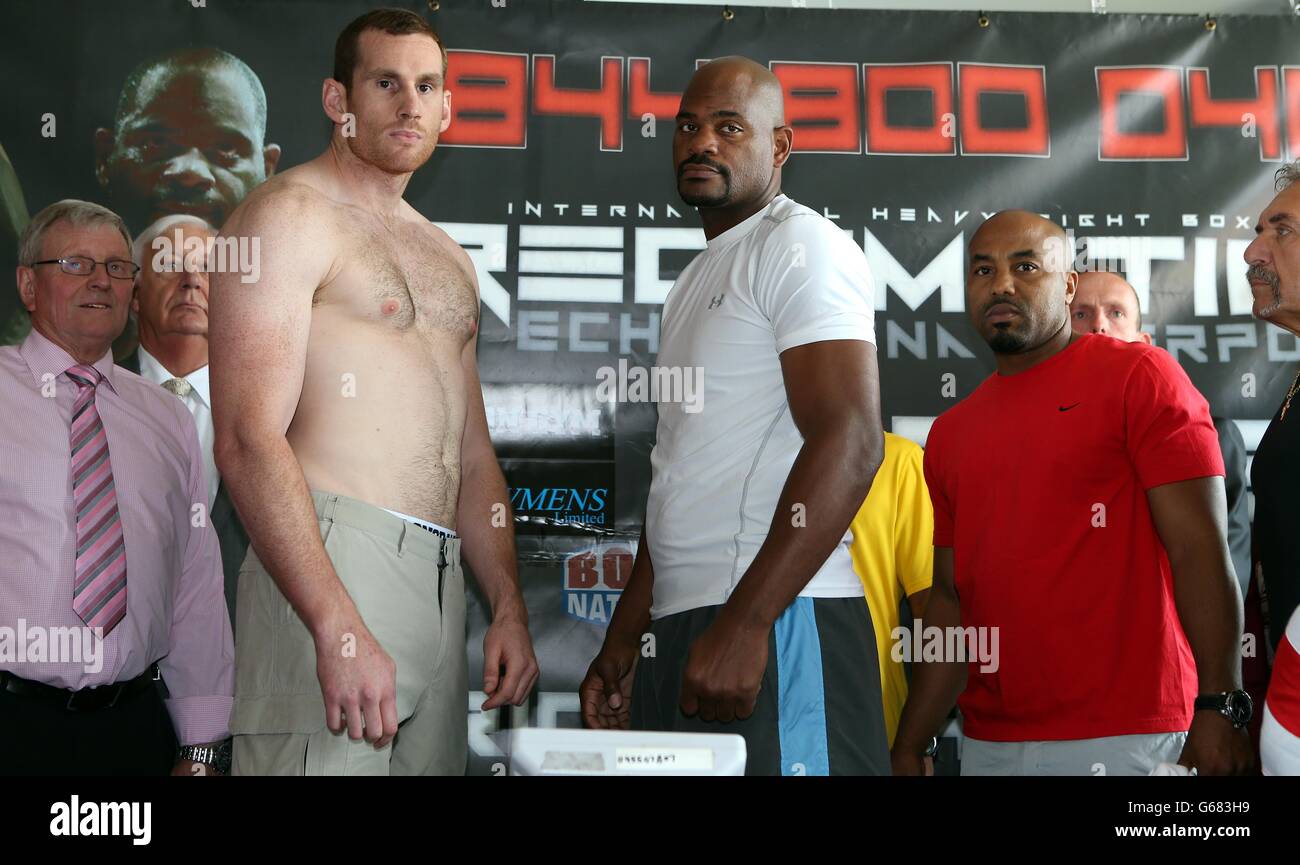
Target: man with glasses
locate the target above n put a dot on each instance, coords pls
(110, 599)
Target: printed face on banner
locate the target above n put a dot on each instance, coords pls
(1018, 284)
(1104, 303)
(398, 99)
(1274, 260)
(82, 312)
(189, 140)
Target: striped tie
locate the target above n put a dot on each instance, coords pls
(99, 593)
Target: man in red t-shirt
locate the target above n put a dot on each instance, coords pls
(1079, 531)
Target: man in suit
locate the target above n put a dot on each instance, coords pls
(171, 308)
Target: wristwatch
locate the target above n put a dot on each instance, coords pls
(217, 756)
(1236, 706)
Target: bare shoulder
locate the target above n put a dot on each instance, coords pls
(286, 202)
(446, 245)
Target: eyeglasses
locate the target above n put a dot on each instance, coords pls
(80, 265)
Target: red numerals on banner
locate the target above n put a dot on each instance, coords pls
(1162, 82)
(1254, 117)
(1291, 105)
(641, 100)
(489, 99)
(605, 103)
(821, 103)
(933, 78)
(1028, 82)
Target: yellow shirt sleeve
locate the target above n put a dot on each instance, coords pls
(914, 525)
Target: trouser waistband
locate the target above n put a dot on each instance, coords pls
(403, 537)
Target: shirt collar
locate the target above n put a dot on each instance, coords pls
(44, 357)
(740, 229)
(153, 370)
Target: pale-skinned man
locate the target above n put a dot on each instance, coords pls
(1273, 260)
(351, 432)
(100, 474)
(171, 311)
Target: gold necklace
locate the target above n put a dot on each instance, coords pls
(1295, 388)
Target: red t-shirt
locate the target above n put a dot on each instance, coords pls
(1039, 485)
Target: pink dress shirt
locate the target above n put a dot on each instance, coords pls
(176, 608)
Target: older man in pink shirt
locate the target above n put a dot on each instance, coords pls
(111, 598)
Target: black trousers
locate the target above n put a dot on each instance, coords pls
(134, 737)
(819, 709)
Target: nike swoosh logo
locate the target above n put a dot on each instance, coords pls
(1066, 407)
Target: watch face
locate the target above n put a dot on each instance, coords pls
(1240, 707)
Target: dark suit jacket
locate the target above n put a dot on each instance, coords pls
(1234, 480)
(230, 532)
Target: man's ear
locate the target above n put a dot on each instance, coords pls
(334, 99)
(783, 144)
(270, 158)
(446, 111)
(104, 142)
(1146, 338)
(1071, 286)
(26, 277)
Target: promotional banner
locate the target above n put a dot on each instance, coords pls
(1153, 139)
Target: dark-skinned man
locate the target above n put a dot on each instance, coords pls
(759, 623)
(1079, 508)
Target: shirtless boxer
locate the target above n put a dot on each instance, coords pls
(350, 429)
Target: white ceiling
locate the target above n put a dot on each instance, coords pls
(1166, 7)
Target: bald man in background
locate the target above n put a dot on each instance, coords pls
(743, 576)
(1105, 303)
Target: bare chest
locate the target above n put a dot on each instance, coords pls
(406, 281)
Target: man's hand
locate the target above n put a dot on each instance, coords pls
(189, 767)
(906, 763)
(724, 670)
(359, 686)
(1215, 747)
(507, 644)
(606, 690)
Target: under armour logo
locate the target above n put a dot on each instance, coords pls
(717, 301)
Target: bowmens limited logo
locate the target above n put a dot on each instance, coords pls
(576, 505)
(41, 645)
(657, 384)
(594, 579)
(74, 817)
(947, 645)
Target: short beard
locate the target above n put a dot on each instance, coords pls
(1007, 341)
(376, 157)
(709, 200)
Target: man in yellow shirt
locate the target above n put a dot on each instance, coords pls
(893, 554)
